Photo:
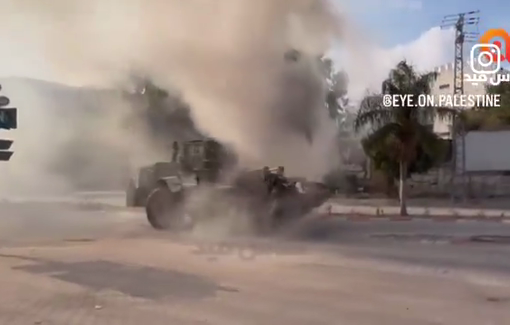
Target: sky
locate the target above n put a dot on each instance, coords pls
(400, 22)
(386, 31)
(410, 29)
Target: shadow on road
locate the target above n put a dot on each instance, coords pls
(135, 281)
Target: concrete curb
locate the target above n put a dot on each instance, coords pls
(398, 218)
(392, 213)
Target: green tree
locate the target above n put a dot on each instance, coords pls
(501, 113)
(383, 159)
(400, 132)
(337, 82)
(503, 89)
(490, 118)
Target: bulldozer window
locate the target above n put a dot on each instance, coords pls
(196, 150)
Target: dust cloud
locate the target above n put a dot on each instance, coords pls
(224, 57)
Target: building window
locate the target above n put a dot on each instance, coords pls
(445, 86)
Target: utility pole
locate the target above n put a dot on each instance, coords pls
(8, 121)
(461, 22)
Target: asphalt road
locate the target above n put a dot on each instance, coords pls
(27, 221)
(87, 264)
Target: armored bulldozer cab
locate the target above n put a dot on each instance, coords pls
(205, 158)
(200, 160)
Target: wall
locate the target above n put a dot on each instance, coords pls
(487, 151)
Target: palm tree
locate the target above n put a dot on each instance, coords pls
(401, 130)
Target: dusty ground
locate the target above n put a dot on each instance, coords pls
(71, 266)
(139, 280)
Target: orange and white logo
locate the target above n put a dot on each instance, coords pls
(486, 56)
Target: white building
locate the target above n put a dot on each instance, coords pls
(444, 85)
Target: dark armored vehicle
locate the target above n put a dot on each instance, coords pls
(197, 160)
(265, 197)
(193, 188)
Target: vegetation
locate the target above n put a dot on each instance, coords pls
(337, 81)
(504, 90)
(401, 141)
(490, 118)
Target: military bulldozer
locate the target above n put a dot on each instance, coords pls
(199, 161)
(267, 197)
(168, 191)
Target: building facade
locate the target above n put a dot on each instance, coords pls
(444, 85)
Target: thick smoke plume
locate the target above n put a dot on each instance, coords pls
(226, 58)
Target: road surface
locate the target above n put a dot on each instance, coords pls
(65, 264)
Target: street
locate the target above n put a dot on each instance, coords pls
(289, 162)
(92, 264)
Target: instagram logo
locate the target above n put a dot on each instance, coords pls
(485, 58)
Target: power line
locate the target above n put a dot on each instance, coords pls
(462, 22)
(466, 31)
